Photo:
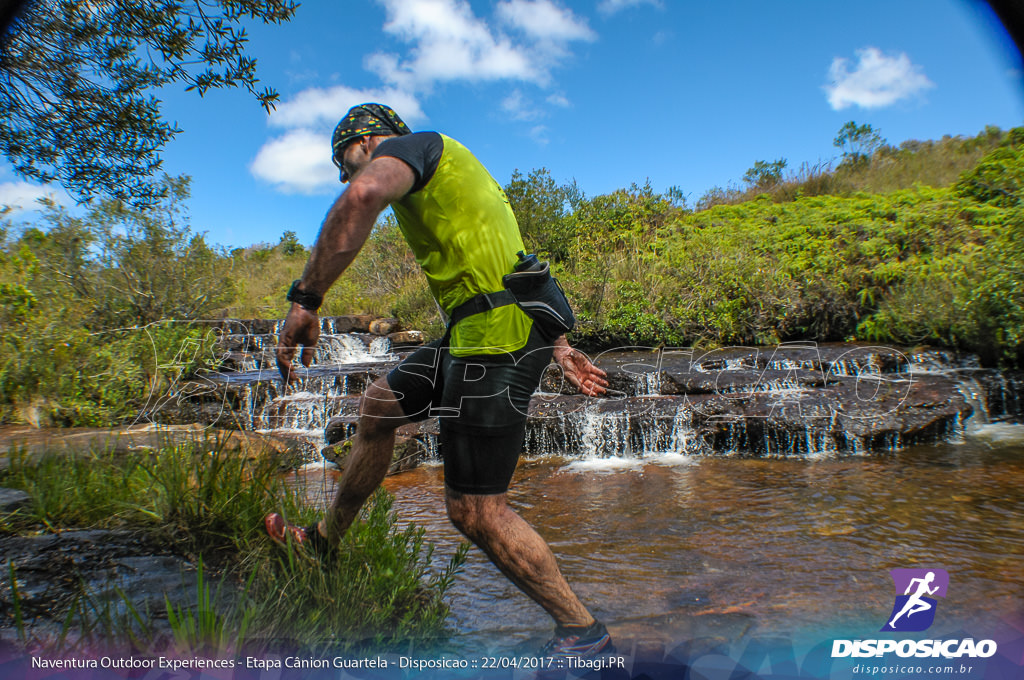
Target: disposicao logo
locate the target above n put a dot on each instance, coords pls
(914, 609)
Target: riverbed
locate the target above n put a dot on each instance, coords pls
(675, 547)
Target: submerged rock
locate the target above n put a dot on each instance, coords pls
(408, 454)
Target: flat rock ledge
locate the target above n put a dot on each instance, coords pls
(12, 500)
(288, 451)
(92, 568)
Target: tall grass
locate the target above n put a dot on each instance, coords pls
(213, 627)
(201, 495)
(381, 588)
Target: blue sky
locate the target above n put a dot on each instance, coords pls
(607, 92)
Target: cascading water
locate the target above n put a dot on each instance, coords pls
(335, 350)
(800, 399)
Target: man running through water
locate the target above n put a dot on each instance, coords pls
(478, 378)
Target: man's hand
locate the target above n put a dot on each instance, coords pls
(301, 327)
(581, 373)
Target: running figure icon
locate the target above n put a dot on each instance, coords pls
(915, 603)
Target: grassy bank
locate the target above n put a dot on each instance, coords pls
(102, 314)
(207, 504)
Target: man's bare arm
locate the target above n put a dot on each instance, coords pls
(351, 218)
(345, 229)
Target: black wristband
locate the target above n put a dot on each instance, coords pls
(310, 301)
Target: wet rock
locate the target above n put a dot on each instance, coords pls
(406, 339)
(791, 399)
(185, 411)
(241, 400)
(422, 430)
(407, 455)
(337, 453)
(301, 412)
(349, 323)
(13, 499)
(103, 568)
(999, 393)
(756, 380)
(288, 451)
(384, 326)
(648, 371)
(340, 428)
(851, 415)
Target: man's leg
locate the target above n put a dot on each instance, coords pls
(481, 437)
(380, 414)
(518, 551)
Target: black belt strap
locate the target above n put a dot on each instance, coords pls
(481, 303)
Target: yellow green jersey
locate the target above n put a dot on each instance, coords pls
(464, 235)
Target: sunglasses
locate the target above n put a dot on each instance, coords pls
(339, 162)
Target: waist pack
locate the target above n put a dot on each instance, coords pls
(532, 287)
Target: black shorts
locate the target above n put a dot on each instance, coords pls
(481, 403)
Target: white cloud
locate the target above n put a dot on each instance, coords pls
(316, 106)
(877, 81)
(298, 162)
(609, 7)
(448, 42)
(539, 134)
(519, 107)
(662, 37)
(24, 197)
(543, 20)
(559, 100)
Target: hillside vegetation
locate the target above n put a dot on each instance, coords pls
(924, 243)
(920, 244)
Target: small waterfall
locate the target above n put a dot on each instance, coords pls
(941, 361)
(304, 411)
(342, 367)
(603, 435)
(650, 384)
(599, 431)
(346, 348)
(992, 395)
(247, 352)
(319, 400)
(675, 435)
(975, 396)
(791, 400)
(786, 364)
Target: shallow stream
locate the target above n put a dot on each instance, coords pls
(676, 547)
